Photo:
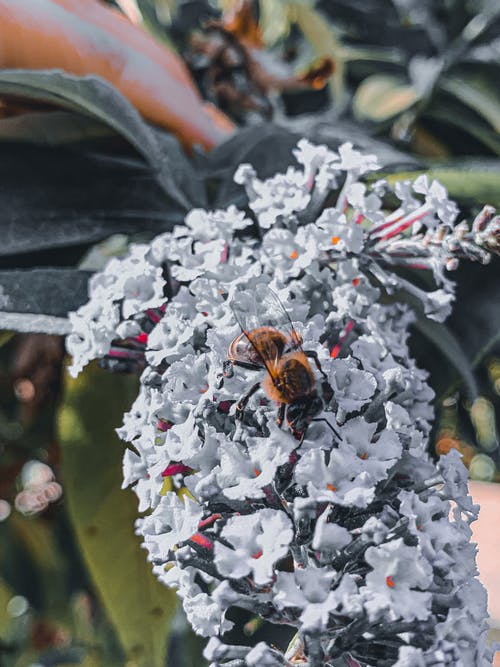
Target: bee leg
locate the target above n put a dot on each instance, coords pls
(227, 372)
(325, 385)
(298, 435)
(314, 356)
(242, 403)
(281, 414)
(227, 369)
(332, 428)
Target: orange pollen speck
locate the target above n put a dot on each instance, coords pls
(355, 282)
(294, 255)
(257, 555)
(390, 582)
(330, 487)
(335, 239)
(256, 471)
(364, 456)
(204, 389)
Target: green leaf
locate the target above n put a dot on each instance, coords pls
(445, 113)
(373, 54)
(381, 97)
(475, 182)
(52, 128)
(89, 95)
(476, 316)
(103, 515)
(103, 194)
(478, 93)
(446, 342)
(43, 291)
(96, 98)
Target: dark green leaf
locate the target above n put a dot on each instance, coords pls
(52, 128)
(27, 323)
(467, 121)
(477, 93)
(446, 342)
(372, 54)
(57, 197)
(98, 99)
(476, 314)
(43, 291)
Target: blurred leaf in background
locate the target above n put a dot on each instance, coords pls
(103, 515)
(46, 596)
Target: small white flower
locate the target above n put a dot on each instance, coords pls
(279, 197)
(436, 196)
(173, 521)
(205, 616)
(329, 536)
(309, 590)
(355, 162)
(352, 387)
(211, 225)
(409, 656)
(398, 583)
(338, 481)
(245, 472)
(258, 541)
(170, 340)
(261, 655)
(93, 330)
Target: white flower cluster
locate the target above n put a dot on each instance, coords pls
(341, 529)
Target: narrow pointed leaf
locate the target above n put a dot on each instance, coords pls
(447, 343)
(478, 94)
(56, 197)
(43, 291)
(98, 99)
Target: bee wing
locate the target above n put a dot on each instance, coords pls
(246, 313)
(273, 313)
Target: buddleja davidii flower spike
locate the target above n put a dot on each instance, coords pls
(340, 529)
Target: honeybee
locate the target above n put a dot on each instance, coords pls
(276, 347)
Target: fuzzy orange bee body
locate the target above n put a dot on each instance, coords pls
(294, 379)
(289, 379)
